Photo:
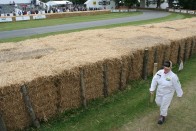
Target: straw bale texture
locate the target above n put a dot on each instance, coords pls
(188, 47)
(151, 60)
(69, 92)
(50, 66)
(182, 48)
(94, 80)
(114, 68)
(71, 14)
(174, 51)
(125, 70)
(137, 65)
(13, 108)
(43, 95)
(194, 45)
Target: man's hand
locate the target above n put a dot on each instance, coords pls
(151, 92)
(151, 96)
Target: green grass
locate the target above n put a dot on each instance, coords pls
(173, 16)
(60, 21)
(113, 112)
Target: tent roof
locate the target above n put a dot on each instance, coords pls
(87, 1)
(51, 3)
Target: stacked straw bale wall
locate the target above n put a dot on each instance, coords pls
(67, 71)
(71, 14)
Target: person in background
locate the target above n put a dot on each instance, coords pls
(166, 83)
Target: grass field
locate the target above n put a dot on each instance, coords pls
(130, 110)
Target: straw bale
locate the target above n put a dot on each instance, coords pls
(194, 45)
(182, 47)
(69, 89)
(114, 67)
(125, 68)
(174, 51)
(188, 46)
(71, 14)
(13, 108)
(43, 95)
(151, 57)
(93, 77)
(137, 65)
(167, 52)
(160, 55)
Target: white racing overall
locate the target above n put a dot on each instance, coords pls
(166, 85)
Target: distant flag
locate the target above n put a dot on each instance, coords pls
(180, 66)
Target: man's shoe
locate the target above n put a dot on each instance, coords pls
(161, 120)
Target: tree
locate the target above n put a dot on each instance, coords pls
(170, 3)
(130, 3)
(158, 3)
(78, 1)
(188, 4)
(44, 1)
(73, 1)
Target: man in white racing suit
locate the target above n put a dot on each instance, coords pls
(167, 83)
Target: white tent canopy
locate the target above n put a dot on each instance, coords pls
(52, 3)
(15, 1)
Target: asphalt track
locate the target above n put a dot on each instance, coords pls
(147, 14)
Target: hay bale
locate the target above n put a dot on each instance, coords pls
(13, 108)
(174, 51)
(194, 45)
(43, 95)
(72, 14)
(94, 80)
(114, 67)
(151, 60)
(69, 94)
(182, 48)
(136, 65)
(125, 70)
(188, 47)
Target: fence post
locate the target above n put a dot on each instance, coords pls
(155, 56)
(105, 80)
(29, 106)
(191, 50)
(2, 124)
(185, 52)
(179, 55)
(155, 69)
(122, 77)
(164, 54)
(83, 88)
(145, 64)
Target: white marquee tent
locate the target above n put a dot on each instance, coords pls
(53, 3)
(102, 4)
(15, 1)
